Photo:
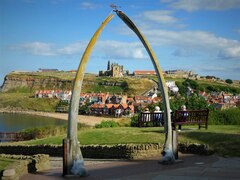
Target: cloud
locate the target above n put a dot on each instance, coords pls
(183, 43)
(237, 31)
(122, 50)
(229, 70)
(36, 48)
(88, 5)
(160, 16)
(71, 49)
(108, 49)
(231, 52)
(48, 49)
(198, 41)
(195, 5)
(181, 52)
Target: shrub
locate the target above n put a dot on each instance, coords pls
(196, 102)
(134, 120)
(107, 124)
(84, 109)
(42, 132)
(37, 133)
(193, 84)
(176, 103)
(225, 117)
(229, 81)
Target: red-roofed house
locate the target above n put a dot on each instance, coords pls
(142, 99)
(143, 72)
(98, 109)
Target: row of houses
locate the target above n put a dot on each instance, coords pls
(59, 94)
(104, 98)
(221, 100)
(112, 109)
(100, 103)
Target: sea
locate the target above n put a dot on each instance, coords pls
(13, 122)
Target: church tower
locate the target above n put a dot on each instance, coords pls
(109, 66)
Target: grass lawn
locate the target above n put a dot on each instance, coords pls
(224, 139)
(24, 102)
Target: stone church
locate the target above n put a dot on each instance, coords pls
(113, 70)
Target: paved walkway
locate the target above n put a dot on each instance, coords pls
(192, 167)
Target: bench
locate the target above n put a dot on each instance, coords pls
(150, 119)
(191, 117)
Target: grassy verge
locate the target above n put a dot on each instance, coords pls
(224, 140)
(23, 101)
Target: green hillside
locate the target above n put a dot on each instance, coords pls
(28, 82)
(210, 85)
(22, 85)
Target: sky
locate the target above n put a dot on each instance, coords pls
(198, 35)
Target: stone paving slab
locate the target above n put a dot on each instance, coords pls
(192, 167)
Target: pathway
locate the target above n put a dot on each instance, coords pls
(192, 167)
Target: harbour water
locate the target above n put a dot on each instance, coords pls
(16, 122)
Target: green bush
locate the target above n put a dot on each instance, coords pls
(229, 81)
(176, 103)
(134, 120)
(192, 103)
(84, 109)
(225, 117)
(196, 102)
(37, 133)
(107, 124)
(46, 131)
(191, 83)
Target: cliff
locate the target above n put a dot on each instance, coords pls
(32, 81)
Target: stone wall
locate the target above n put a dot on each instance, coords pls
(24, 165)
(120, 151)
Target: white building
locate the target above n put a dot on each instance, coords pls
(172, 87)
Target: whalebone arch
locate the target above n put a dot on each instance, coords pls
(75, 155)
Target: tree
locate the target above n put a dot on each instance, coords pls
(192, 103)
(229, 81)
(181, 87)
(84, 109)
(191, 83)
(176, 103)
(196, 102)
(212, 88)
